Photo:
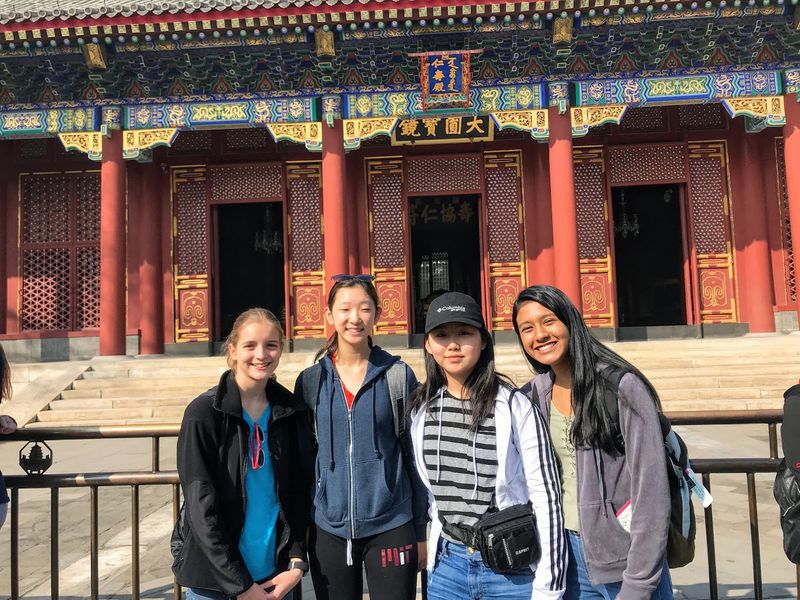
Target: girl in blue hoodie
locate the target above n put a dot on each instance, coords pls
(369, 508)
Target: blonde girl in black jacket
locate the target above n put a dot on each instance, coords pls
(245, 465)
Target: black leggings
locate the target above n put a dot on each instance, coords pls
(390, 559)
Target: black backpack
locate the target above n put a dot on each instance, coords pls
(682, 482)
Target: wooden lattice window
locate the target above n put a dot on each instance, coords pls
(60, 251)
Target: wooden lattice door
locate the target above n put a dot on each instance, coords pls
(711, 227)
(594, 241)
(387, 227)
(60, 251)
(190, 254)
(504, 223)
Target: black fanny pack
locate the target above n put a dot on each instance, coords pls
(507, 539)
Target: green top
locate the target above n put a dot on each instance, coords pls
(560, 428)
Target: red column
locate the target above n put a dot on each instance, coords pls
(333, 202)
(353, 263)
(112, 247)
(151, 289)
(5, 158)
(5, 175)
(564, 211)
(758, 286)
(791, 134)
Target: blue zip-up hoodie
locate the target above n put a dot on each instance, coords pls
(364, 485)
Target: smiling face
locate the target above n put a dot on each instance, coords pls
(544, 337)
(456, 348)
(353, 315)
(256, 353)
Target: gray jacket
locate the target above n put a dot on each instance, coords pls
(606, 483)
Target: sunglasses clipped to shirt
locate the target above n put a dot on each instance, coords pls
(344, 277)
(257, 448)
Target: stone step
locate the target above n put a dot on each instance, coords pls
(141, 383)
(736, 393)
(108, 403)
(721, 381)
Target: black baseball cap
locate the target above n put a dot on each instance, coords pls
(454, 307)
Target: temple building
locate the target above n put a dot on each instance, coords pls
(164, 166)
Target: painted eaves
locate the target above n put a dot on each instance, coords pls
(54, 10)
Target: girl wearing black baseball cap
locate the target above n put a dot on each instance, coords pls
(483, 451)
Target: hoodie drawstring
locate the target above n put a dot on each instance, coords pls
(375, 424)
(439, 435)
(598, 465)
(332, 464)
(474, 465)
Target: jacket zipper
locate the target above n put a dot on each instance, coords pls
(352, 501)
(285, 533)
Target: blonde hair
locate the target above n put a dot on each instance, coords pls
(251, 315)
(5, 377)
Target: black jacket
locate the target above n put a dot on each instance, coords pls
(787, 481)
(212, 455)
(787, 493)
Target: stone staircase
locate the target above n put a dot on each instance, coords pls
(710, 374)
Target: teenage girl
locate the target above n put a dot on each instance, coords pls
(616, 505)
(480, 445)
(245, 465)
(369, 509)
(7, 426)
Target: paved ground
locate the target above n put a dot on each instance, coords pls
(734, 562)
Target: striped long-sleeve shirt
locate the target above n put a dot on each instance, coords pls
(526, 472)
(462, 465)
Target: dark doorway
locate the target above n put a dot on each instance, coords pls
(251, 272)
(445, 249)
(648, 252)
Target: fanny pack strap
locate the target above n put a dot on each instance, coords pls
(465, 535)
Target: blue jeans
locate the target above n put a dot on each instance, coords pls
(580, 588)
(460, 575)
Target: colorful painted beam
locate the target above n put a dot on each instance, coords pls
(138, 142)
(361, 130)
(408, 103)
(89, 143)
(792, 81)
(535, 122)
(585, 117)
(706, 87)
(209, 113)
(15, 123)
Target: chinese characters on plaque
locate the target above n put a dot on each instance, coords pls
(432, 130)
(447, 211)
(445, 79)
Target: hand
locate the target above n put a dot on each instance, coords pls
(7, 425)
(254, 592)
(280, 585)
(422, 555)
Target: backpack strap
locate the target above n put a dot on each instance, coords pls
(611, 377)
(396, 378)
(312, 381)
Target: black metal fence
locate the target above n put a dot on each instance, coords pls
(748, 467)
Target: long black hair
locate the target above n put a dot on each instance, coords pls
(592, 425)
(5, 377)
(332, 343)
(482, 384)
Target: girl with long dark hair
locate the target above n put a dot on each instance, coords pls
(616, 501)
(369, 506)
(245, 465)
(480, 448)
(7, 426)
